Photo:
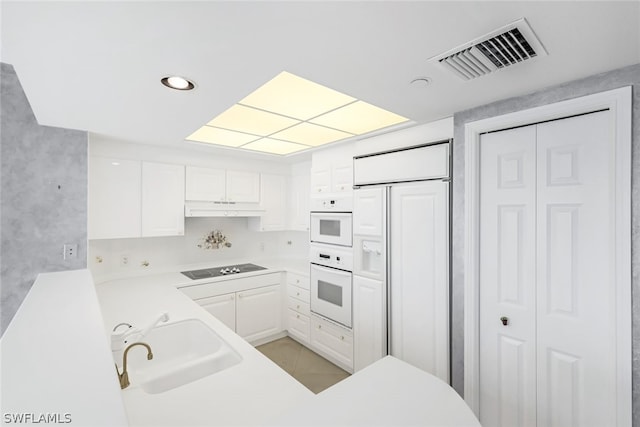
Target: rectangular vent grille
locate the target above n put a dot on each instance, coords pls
(506, 46)
(507, 49)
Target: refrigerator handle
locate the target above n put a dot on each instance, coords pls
(387, 238)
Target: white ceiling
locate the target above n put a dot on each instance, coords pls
(97, 66)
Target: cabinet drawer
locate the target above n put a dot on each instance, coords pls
(232, 285)
(298, 325)
(334, 341)
(298, 293)
(298, 280)
(298, 306)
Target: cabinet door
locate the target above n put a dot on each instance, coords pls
(162, 199)
(298, 326)
(369, 329)
(368, 209)
(114, 198)
(243, 187)
(342, 178)
(204, 184)
(273, 196)
(320, 180)
(300, 203)
(259, 312)
(222, 307)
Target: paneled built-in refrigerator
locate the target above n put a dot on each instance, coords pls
(401, 229)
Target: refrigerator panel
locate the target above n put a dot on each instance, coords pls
(419, 275)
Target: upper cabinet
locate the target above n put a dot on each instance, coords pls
(332, 170)
(219, 185)
(115, 192)
(328, 178)
(299, 200)
(204, 184)
(162, 199)
(130, 198)
(273, 196)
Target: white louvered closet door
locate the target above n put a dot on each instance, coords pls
(547, 265)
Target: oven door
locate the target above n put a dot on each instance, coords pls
(331, 228)
(331, 293)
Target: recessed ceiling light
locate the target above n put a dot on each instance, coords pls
(177, 82)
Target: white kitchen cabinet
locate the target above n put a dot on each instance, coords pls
(243, 187)
(162, 199)
(298, 307)
(299, 201)
(332, 178)
(273, 199)
(251, 306)
(333, 342)
(115, 187)
(259, 313)
(219, 185)
(205, 184)
(222, 307)
(321, 180)
(369, 329)
(342, 177)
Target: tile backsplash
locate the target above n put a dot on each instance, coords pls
(121, 257)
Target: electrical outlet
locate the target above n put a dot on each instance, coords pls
(124, 260)
(70, 251)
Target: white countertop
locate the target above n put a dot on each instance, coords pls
(56, 359)
(389, 392)
(246, 394)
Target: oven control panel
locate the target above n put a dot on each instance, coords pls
(332, 256)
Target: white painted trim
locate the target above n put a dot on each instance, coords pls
(619, 102)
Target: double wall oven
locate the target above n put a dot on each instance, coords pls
(331, 265)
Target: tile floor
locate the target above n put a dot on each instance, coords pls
(313, 371)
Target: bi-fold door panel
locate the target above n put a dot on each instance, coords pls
(546, 267)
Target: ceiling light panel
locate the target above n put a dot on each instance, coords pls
(310, 134)
(294, 96)
(274, 146)
(251, 120)
(359, 118)
(212, 135)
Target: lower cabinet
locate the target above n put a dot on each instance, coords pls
(297, 312)
(253, 310)
(222, 307)
(258, 313)
(369, 324)
(332, 341)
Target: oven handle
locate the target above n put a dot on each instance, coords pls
(331, 269)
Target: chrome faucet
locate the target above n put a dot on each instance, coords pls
(124, 376)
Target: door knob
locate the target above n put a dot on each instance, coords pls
(504, 320)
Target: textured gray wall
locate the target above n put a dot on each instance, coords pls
(43, 196)
(628, 76)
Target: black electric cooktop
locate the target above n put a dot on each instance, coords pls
(221, 271)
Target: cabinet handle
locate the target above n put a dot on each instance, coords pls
(319, 190)
(319, 326)
(297, 280)
(342, 337)
(297, 316)
(239, 295)
(297, 294)
(232, 298)
(298, 306)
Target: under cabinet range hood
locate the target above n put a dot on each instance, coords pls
(217, 209)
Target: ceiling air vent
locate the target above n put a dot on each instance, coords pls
(501, 48)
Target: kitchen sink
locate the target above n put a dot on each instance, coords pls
(183, 352)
